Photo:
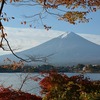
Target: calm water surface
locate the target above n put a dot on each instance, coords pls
(15, 80)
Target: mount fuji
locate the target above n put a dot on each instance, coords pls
(66, 49)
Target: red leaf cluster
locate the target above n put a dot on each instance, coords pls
(10, 94)
(51, 80)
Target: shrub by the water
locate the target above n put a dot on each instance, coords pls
(57, 86)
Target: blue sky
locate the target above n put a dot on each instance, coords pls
(93, 27)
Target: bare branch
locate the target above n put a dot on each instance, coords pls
(23, 82)
(40, 58)
(2, 5)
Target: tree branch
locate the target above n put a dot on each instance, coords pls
(2, 5)
(3, 36)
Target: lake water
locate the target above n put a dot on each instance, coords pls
(15, 80)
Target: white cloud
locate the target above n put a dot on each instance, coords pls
(92, 37)
(24, 38)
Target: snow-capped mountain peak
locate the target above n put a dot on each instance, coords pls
(67, 49)
(68, 34)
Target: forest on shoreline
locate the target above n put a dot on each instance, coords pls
(46, 68)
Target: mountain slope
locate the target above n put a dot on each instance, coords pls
(67, 49)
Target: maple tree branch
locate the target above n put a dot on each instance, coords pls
(13, 51)
(1, 26)
(3, 36)
(51, 13)
(25, 4)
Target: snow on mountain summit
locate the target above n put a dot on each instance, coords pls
(71, 34)
(64, 35)
(68, 34)
(67, 49)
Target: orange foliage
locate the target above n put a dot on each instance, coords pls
(76, 15)
(68, 15)
(71, 3)
(13, 64)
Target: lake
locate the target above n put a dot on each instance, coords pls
(15, 80)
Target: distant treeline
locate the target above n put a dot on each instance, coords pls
(44, 68)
